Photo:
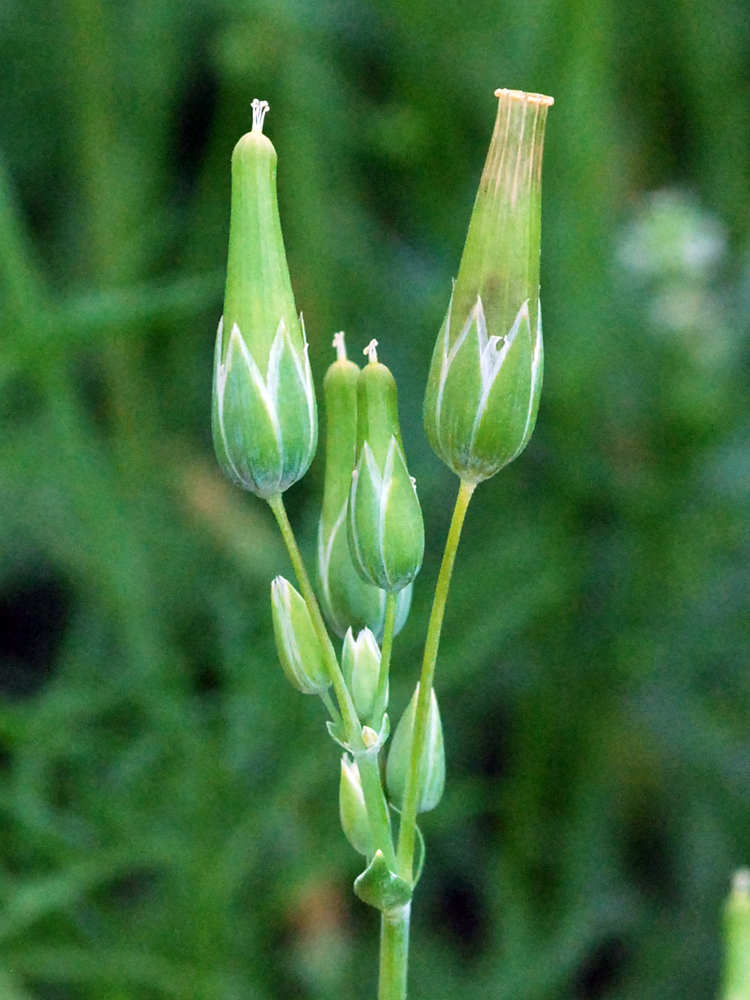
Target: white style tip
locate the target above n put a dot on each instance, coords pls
(339, 344)
(372, 354)
(259, 113)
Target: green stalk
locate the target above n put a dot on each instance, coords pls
(407, 831)
(737, 939)
(369, 773)
(377, 808)
(394, 953)
(346, 704)
(332, 710)
(385, 658)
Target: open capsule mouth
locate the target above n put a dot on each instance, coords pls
(521, 95)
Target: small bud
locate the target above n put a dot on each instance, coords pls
(370, 738)
(360, 665)
(297, 644)
(486, 372)
(264, 419)
(352, 809)
(346, 599)
(432, 769)
(386, 531)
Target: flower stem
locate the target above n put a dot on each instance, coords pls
(372, 788)
(407, 831)
(394, 953)
(334, 671)
(385, 659)
(332, 710)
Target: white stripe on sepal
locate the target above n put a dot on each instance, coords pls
(492, 359)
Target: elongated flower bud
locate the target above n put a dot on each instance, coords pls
(264, 419)
(346, 599)
(386, 531)
(352, 809)
(360, 665)
(297, 644)
(432, 769)
(486, 373)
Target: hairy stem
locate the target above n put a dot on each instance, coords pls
(407, 831)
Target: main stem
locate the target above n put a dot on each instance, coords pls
(407, 831)
(372, 788)
(394, 953)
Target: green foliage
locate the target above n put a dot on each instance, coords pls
(168, 822)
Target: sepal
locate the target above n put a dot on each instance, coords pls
(483, 392)
(360, 665)
(432, 766)
(352, 808)
(386, 530)
(264, 427)
(373, 741)
(378, 886)
(346, 599)
(296, 642)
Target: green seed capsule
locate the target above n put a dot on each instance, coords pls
(352, 809)
(486, 373)
(432, 769)
(264, 419)
(386, 531)
(296, 642)
(346, 599)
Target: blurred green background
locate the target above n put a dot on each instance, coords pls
(168, 804)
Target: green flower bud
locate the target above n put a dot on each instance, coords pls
(432, 769)
(737, 939)
(360, 665)
(386, 531)
(346, 599)
(297, 644)
(264, 419)
(352, 809)
(486, 373)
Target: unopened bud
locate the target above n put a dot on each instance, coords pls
(486, 372)
(264, 418)
(346, 599)
(432, 765)
(297, 644)
(360, 665)
(352, 809)
(386, 531)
